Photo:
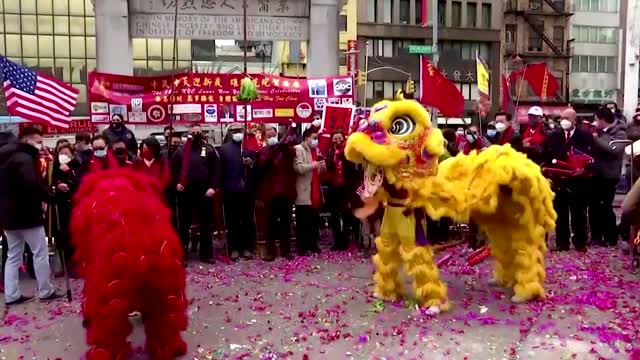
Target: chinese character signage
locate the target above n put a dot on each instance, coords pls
(598, 96)
(220, 19)
(211, 98)
(352, 57)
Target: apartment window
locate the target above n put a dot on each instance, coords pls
(456, 14)
(382, 48)
(594, 64)
(595, 34)
(465, 50)
(559, 4)
(511, 34)
(405, 10)
(558, 37)
(400, 46)
(442, 12)
(419, 11)
(372, 9)
(387, 11)
(535, 4)
(486, 16)
(535, 41)
(471, 14)
(342, 22)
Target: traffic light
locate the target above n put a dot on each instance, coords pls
(360, 78)
(410, 87)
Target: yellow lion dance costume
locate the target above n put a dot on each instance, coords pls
(501, 190)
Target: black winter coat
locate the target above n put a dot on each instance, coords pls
(21, 189)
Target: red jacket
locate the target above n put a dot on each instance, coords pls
(535, 136)
(158, 169)
(505, 138)
(99, 164)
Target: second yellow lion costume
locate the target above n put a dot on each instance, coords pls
(502, 191)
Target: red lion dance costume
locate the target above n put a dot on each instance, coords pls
(131, 261)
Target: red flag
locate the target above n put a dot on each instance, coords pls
(507, 105)
(424, 12)
(542, 82)
(438, 91)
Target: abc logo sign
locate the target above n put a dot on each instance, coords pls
(342, 87)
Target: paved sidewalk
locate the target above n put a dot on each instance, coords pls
(322, 308)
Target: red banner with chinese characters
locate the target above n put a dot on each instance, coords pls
(211, 98)
(83, 125)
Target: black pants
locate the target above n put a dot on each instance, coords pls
(570, 204)
(62, 234)
(239, 216)
(278, 213)
(307, 228)
(602, 219)
(172, 202)
(193, 201)
(343, 224)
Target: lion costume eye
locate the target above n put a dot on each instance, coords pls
(402, 126)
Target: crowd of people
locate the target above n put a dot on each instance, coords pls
(250, 192)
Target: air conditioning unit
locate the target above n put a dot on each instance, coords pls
(534, 6)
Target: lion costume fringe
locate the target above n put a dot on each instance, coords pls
(131, 261)
(499, 189)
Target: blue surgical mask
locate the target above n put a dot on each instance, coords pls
(272, 140)
(237, 137)
(100, 153)
(491, 132)
(471, 138)
(314, 143)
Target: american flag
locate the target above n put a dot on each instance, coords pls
(36, 97)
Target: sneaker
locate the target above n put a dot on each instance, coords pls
(21, 300)
(247, 255)
(54, 296)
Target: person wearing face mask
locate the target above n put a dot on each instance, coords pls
(607, 169)
(102, 158)
(505, 131)
(276, 192)
(492, 134)
(195, 174)
(152, 163)
(83, 153)
(571, 191)
(343, 183)
(117, 131)
(473, 141)
(22, 217)
(119, 150)
(534, 135)
(633, 128)
(309, 197)
(65, 183)
(236, 165)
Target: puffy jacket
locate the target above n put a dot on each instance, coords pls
(21, 190)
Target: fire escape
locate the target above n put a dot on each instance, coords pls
(532, 10)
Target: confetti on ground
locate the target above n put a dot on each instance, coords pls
(322, 308)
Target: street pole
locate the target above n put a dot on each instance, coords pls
(366, 73)
(436, 53)
(244, 36)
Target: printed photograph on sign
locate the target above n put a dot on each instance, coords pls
(319, 103)
(240, 112)
(342, 87)
(100, 118)
(116, 109)
(100, 108)
(211, 113)
(347, 101)
(137, 117)
(317, 87)
(262, 113)
(226, 113)
(334, 101)
(136, 105)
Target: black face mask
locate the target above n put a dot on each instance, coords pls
(173, 148)
(120, 152)
(117, 125)
(197, 138)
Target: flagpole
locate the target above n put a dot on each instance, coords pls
(366, 72)
(514, 119)
(436, 54)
